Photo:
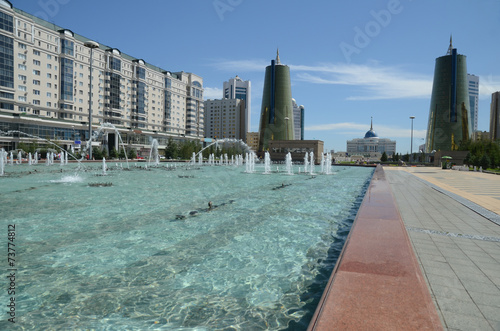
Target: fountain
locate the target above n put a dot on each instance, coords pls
(328, 164)
(250, 262)
(154, 157)
(227, 140)
(200, 159)
(250, 162)
(311, 170)
(95, 136)
(3, 155)
(288, 164)
(104, 168)
(267, 163)
(306, 162)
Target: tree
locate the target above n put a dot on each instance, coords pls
(113, 153)
(97, 153)
(172, 149)
(384, 157)
(132, 154)
(485, 161)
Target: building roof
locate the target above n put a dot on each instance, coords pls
(370, 133)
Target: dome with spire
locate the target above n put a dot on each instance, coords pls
(370, 133)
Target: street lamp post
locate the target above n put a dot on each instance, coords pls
(90, 44)
(411, 143)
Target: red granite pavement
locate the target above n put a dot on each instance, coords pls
(377, 283)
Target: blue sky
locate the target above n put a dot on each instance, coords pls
(349, 61)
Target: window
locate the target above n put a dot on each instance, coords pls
(36, 82)
(49, 57)
(35, 52)
(21, 88)
(49, 75)
(21, 66)
(21, 56)
(21, 77)
(67, 47)
(21, 98)
(49, 66)
(49, 85)
(21, 46)
(36, 102)
(36, 92)
(36, 62)
(36, 72)
(6, 22)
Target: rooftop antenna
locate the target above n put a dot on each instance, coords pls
(278, 56)
(450, 48)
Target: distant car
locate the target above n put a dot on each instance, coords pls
(162, 157)
(140, 158)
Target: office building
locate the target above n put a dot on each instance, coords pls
(225, 119)
(45, 88)
(449, 116)
(495, 116)
(276, 119)
(473, 81)
(236, 88)
(298, 120)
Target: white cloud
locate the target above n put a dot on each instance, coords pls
(237, 66)
(375, 82)
(360, 130)
(488, 84)
(212, 93)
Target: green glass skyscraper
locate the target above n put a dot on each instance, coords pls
(449, 120)
(276, 116)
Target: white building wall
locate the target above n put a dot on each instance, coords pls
(230, 91)
(474, 99)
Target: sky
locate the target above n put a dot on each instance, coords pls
(349, 60)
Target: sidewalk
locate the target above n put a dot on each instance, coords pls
(458, 248)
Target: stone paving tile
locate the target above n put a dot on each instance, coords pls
(486, 299)
(463, 273)
(450, 281)
(467, 307)
(456, 321)
(488, 288)
(491, 313)
(448, 292)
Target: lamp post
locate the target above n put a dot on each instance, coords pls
(411, 143)
(90, 44)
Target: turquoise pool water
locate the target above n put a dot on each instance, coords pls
(146, 253)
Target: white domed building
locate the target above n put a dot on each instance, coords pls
(371, 147)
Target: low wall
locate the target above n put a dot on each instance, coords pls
(377, 283)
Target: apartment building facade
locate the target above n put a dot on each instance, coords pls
(45, 89)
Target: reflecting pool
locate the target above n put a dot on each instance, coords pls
(140, 249)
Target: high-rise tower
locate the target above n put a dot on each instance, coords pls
(474, 100)
(276, 115)
(449, 119)
(236, 88)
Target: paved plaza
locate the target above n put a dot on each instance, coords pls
(452, 219)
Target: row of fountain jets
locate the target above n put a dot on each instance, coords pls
(197, 159)
(154, 158)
